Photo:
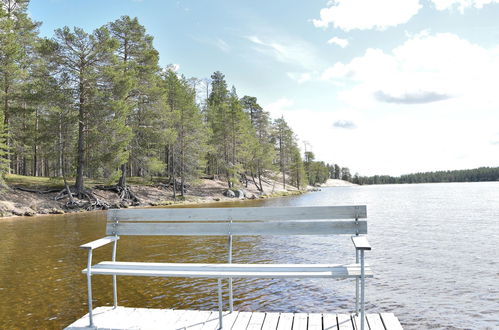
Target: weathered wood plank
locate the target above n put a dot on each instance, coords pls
(374, 321)
(271, 321)
(256, 321)
(356, 322)
(127, 318)
(300, 321)
(344, 322)
(175, 317)
(240, 213)
(202, 325)
(191, 318)
(227, 320)
(285, 321)
(314, 321)
(241, 321)
(336, 227)
(227, 270)
(100, 242)
(390, 321)
(330, 322)
(361, 243)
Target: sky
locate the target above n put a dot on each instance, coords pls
(382, 87)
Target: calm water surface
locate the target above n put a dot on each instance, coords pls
(435, 258)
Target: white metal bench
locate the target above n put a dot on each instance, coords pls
(320, 220)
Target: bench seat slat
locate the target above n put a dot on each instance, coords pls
(241, 213)
(229, 270)
(338, 227)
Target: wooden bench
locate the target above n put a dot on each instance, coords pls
(320, 220)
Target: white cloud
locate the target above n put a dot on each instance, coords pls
(367, 14)
(461, 4)
(428, 104)
(300, 77)
(287, 50)
(338, 41)
(279, 107)
(426, 68)
(345, 124)
(174, 67)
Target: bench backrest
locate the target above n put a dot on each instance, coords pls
(313, 220)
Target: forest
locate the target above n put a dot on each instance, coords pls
(472, 175)
(83, 105)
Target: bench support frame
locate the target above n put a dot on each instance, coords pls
(360, 243)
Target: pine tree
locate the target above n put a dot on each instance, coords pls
(297, 169)
(189, 135)
(217, 113)
(283, 139)
(18, 34)
(133, 76)
(262, 150)
(81, 57)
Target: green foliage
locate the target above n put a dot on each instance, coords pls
(97, 107)
(472, 175)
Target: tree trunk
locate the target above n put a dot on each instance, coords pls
(6, 117)
(122, 180)
(61, 149)
(79, 184)
(35, 146)
(173, 175)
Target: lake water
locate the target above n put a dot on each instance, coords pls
(435, 258)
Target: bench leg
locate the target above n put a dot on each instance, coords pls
(231, 295)
(220, 312)
(115, 287)
(89, 286)
(362, 291)
(357, 285)
(115, 292)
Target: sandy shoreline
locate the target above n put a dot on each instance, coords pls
(15, 203)
(337, 183)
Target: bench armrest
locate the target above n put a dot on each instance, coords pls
(100, 242)
(361, 243)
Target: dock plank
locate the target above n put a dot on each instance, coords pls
(256, 321)
(356, 322)
(191, 319)
(300, 321)
(285, 321)
(344, 322)
(127, 318)
(314, 321)
(390, 321)
(375, 322)
(270, 322)
(241, 321)
(202, 325)
(228, 320)
(330, 322)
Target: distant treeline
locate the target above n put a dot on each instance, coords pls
(472, 175)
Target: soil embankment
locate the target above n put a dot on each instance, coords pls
(337, 183)
(15, 202)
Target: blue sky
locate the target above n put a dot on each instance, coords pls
(383, 87)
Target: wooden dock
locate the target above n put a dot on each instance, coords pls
(144, 318)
